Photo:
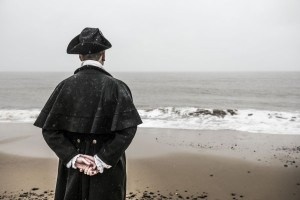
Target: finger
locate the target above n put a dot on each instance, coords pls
(80, 167)
(86, 169)
(94, 166)
(89, 171)
(91, 163)
(90, 158)
(94, 172)
(84, 161)
(77, 165)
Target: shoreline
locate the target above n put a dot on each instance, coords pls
(195, 118)
(167, 162)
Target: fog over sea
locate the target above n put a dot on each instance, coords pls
(258, 102)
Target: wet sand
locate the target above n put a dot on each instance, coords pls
(167, 164)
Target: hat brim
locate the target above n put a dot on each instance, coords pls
(76, 47)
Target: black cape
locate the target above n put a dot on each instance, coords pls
(90, 101)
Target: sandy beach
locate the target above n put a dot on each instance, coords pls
(167, 164)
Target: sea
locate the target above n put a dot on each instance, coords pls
(256, 102)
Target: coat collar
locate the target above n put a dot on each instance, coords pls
(91, 62)
(91, 67)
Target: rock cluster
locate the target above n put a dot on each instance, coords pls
(214, 112)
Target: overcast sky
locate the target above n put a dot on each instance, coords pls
(154, 35)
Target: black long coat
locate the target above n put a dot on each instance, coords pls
(90, 113)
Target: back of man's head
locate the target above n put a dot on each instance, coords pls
(93, 56)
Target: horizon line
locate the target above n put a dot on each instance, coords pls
(228, 71)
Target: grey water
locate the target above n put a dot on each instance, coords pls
(277, 91)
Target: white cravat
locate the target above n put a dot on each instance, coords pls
(100, 164)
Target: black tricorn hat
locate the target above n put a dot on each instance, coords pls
(89, 41)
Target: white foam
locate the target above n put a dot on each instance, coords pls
(7, 115)
(251, 120)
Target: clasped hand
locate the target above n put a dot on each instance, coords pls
(87, 165)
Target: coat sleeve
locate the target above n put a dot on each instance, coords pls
(112, 150)
(60, 144)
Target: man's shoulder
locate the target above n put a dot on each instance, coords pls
(107, 80)
(121, 84)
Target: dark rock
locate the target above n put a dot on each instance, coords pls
(202, 196)
(231, 111)
(280, 117)
(218, 113)
(200, 112)
(23, 195)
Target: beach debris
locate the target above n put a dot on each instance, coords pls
(131, 195)
(295, 149)
(202, 196)
(171, 195)
(32, 194)
(236, 196)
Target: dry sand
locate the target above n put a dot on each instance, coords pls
(167, 164)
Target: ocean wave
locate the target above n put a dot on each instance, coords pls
(251, 120)
(11, 115)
